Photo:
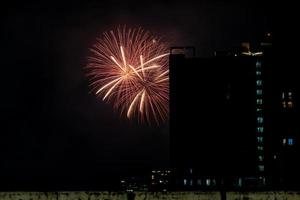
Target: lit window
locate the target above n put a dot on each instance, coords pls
(260, 120)
(290, 141)
(208, 182)
(258, 64)
(152, 176)
(290, 104)
(261, 168)
(283, 141)
(259, 82)
(258, 72)
(260, 139)
(259, 101)
(260, 148)
(191, 182)
(184, 181)
(240, 182)
(284, 104)
(274, 157)
(258, 109)
(191, 170)
(260, 129)
(282, 95)
(260, 158)
(290, 95)
(259, 92)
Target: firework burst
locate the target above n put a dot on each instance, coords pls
(129, 68)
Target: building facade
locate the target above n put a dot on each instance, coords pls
(238, 115)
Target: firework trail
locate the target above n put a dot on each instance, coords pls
(129, 68)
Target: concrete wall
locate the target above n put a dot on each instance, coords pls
(148, 196)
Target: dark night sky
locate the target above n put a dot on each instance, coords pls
(51, 126)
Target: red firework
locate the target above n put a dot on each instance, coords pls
(129, 67)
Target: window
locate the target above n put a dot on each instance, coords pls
(258, 109)
(240, 182)
(290, 95)
(261, 168)
(258, 64)
(284, 141)
(184, 181)
(259, 92)
(214, 182)
(199, 182)
(290, 141)
(259, 82)
(260, 158)
(290, 104)
(260, 120)
(282, 95)
(208, 182)
(259, 139)
(260, 129)
(258, 72)
(259, 101)
(260, 148)
(191, 182)
(284, 104)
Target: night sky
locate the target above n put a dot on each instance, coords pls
(56, 134)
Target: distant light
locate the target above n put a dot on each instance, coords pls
(274, 157)
(268, 34)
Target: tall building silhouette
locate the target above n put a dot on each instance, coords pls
(233, 119)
